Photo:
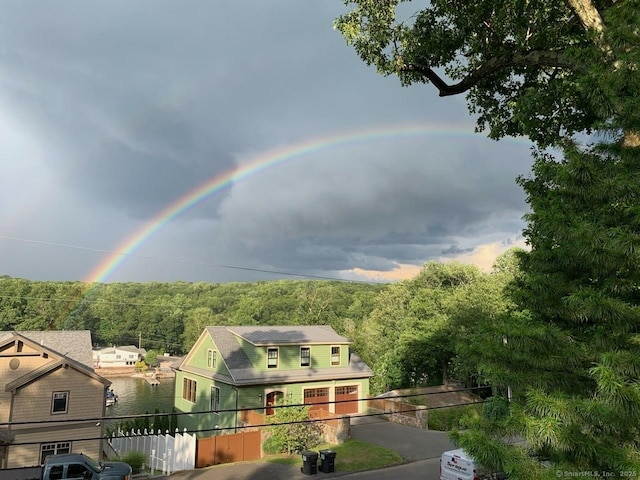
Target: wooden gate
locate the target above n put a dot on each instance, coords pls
(236, 447)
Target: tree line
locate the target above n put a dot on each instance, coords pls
(412, 333)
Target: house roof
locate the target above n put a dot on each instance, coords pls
(125, 348)
(298, 334)
(62, 360)
(73, 344)
(241, 371)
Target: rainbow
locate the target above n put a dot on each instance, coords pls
(255, 165)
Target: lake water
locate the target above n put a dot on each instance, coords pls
(136, 396)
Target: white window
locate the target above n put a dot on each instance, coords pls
(47, 449)
(305, 356)
(335, 355)
(272, 358)
(215, 400)
(211, 358)
(59, 402)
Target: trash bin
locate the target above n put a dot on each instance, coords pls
(309, 462)
(327, 461)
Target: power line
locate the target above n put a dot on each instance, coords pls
(245, 409)
(187, 261)
(295, 422)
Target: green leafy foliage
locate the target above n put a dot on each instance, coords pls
(453, 418)
(568, 343)
(294, 434)
(171, 316)
(135, 459)
(417, 334)
(151, 358)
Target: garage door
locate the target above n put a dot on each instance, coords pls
(313, 396)
(347, 393)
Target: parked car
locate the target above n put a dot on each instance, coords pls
(70, 466)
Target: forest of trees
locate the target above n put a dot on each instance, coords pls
(414, 332)
(564, 74)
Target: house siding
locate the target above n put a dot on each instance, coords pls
(199, 359)
(289, 356)
(33, 402)
(257, 356)
(250, 396)
(27, 364)
(28, 455)
(255, 396)
(203, 424)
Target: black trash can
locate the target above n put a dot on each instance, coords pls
(327, 461)
(309, 462)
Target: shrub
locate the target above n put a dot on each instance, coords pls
(452, 418)
(294, 435)
(135, 459)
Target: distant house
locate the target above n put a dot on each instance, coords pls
(48, 377)
(111, 357)
(253, 367)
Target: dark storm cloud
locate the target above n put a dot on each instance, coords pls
(455, 250)
(135, 104)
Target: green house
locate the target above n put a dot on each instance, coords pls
(254, 367)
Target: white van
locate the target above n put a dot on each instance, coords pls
(458, 465)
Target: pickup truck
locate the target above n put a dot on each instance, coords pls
(76, 466)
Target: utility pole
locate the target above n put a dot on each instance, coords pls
(139, 340)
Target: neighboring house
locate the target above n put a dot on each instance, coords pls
(111, 357)
(231, 368)
(48, 377)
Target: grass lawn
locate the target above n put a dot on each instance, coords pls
(352, 456)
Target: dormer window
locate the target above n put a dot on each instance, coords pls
(305, 356)
(335, 355)
(272, 358)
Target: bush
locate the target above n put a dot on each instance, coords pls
(135, 459)
(294, 434)
(496, 408)
(452, 418)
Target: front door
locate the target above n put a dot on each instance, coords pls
(272, 400)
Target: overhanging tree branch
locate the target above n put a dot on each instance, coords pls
(539, 58)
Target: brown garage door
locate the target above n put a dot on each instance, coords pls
(347, 393)
(314, 396)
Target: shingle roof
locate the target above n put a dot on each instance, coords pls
(355, 369)
(307, 334)
(75, 344)
(242, 371)
(132, 349)
(232, 353)
(58, 339)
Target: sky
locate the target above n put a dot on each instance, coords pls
(232, 141)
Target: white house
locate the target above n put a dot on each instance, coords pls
(125, 356)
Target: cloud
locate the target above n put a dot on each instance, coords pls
(114, 113)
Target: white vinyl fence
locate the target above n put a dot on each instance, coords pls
(165, 452)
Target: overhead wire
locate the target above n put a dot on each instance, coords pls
(220, 429)
(189, 262)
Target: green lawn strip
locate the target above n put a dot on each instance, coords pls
(351, 456)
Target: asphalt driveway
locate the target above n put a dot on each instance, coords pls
(422, 448)
(412, 443)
